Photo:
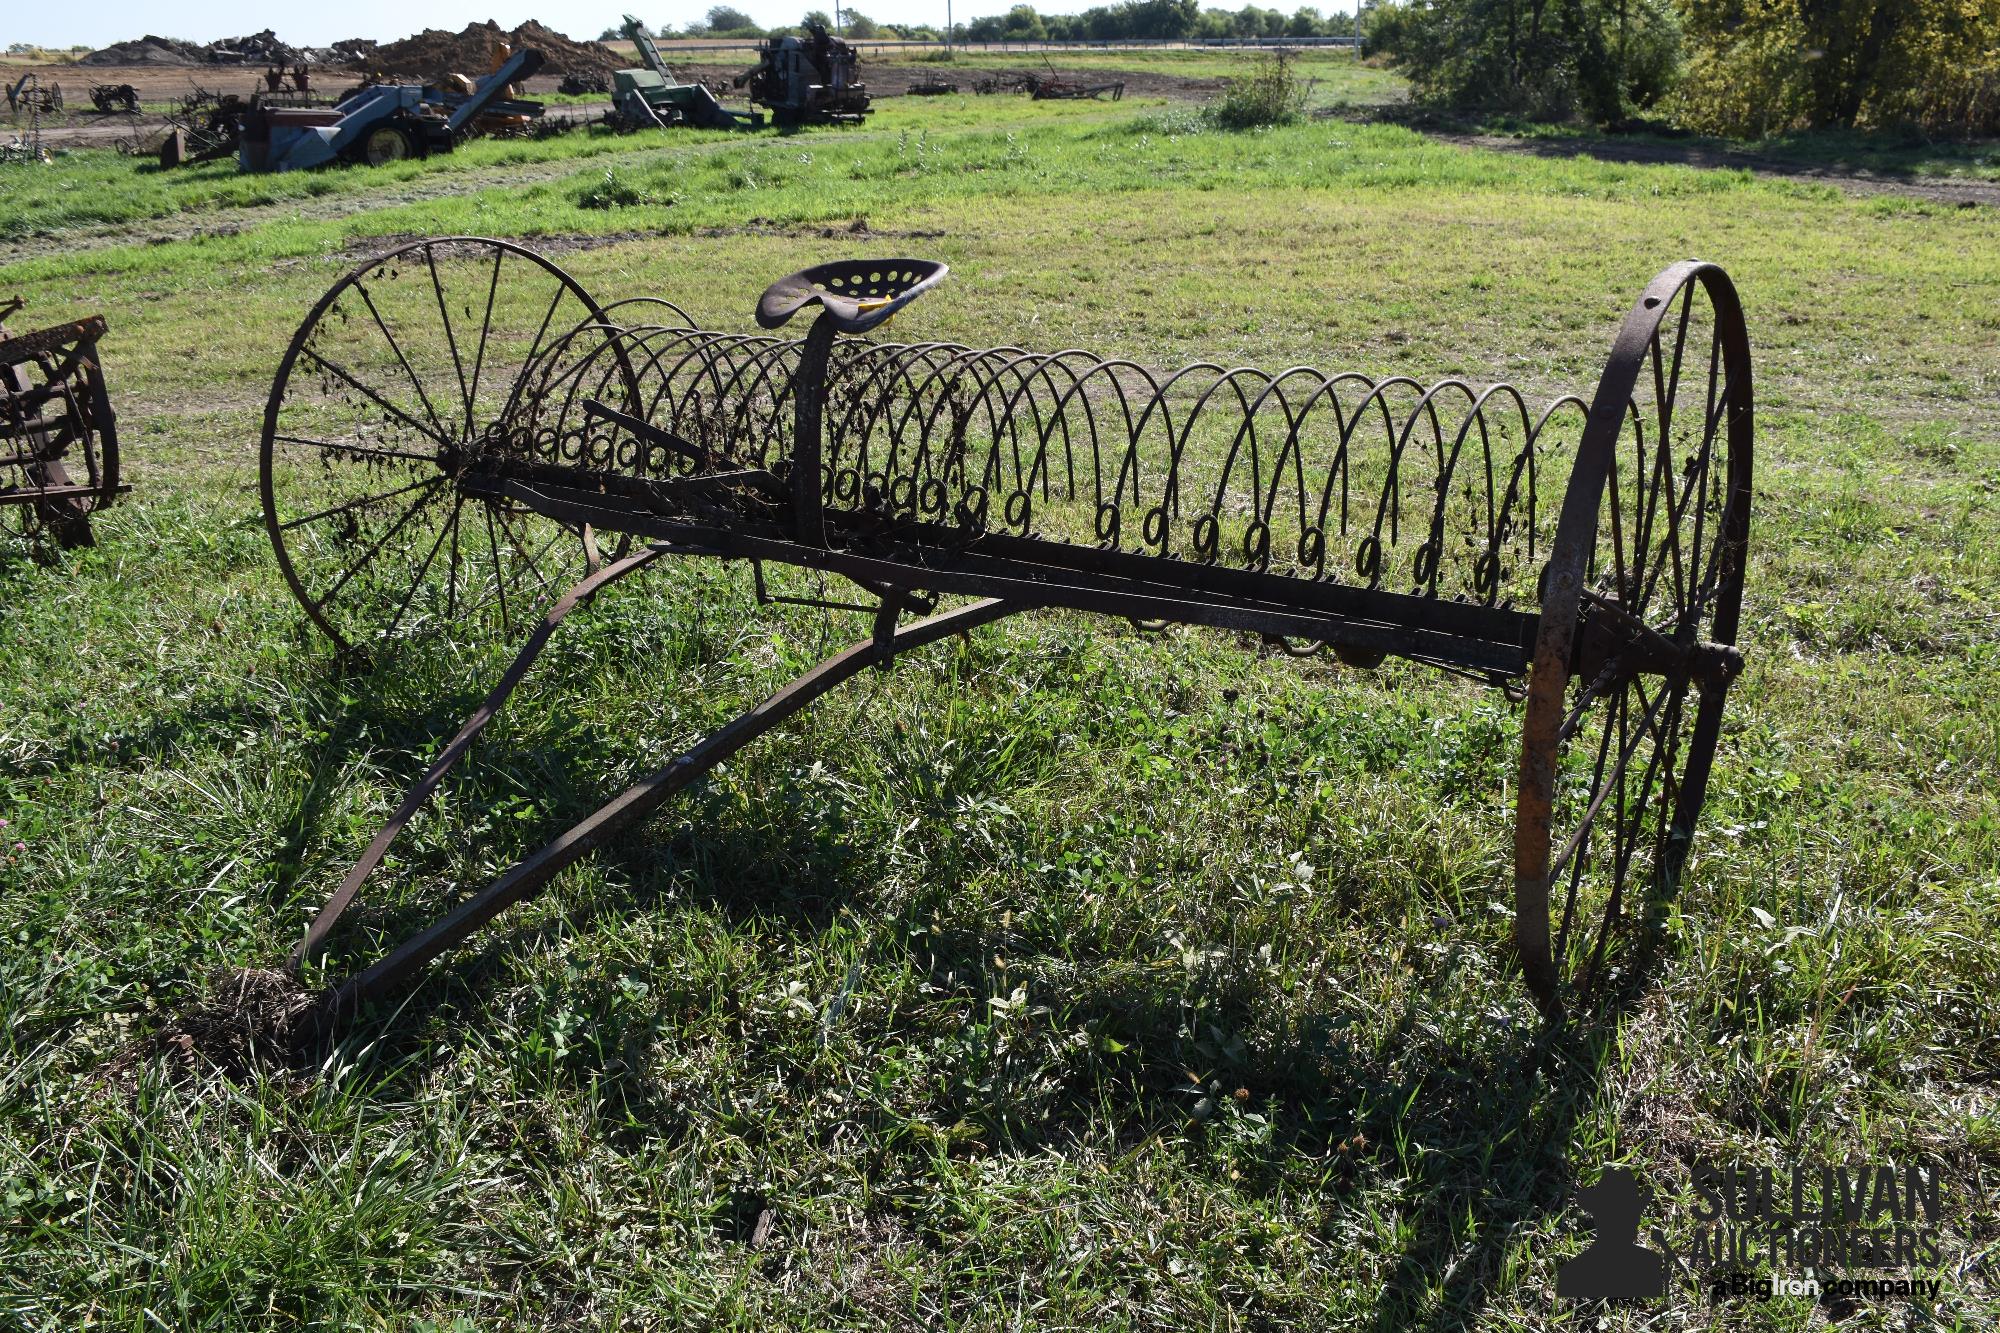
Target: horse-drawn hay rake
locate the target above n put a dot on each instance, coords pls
(460, 435)
(58, 435)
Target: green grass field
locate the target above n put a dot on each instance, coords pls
(1066, 977)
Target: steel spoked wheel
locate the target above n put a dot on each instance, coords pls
(1635, 654)
(386, 425)
(58, 459)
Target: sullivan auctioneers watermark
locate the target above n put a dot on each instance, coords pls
(1761, 1232)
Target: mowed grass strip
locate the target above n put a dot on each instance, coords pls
(1065, 975)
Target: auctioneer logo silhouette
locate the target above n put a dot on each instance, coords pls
(1615, 1265)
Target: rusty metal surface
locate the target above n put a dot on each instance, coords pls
(457, 410)
(1655, 469)
(58, 434)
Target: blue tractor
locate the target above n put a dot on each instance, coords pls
(380, 122)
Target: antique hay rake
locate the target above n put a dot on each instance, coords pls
(460, 436)
(58, 435)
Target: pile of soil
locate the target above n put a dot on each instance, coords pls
(248, 1020)
(434, 52)
(149, 50)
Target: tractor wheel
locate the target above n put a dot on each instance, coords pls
(390, 142)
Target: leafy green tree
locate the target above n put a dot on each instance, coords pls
(1544, 59)
(1306, 22)
(1023, 24)
(1763, 66)
(728, 18)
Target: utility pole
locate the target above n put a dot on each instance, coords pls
(947, 27)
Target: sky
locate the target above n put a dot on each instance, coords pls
(102, 22)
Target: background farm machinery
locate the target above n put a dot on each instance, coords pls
(58, 435)
(110, 97)
(289, 129)
(26, 96)
(809, 80)
(29, 94)
(383, 122)
(652, 97)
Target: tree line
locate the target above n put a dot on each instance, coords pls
(1745, 68)
(1131, 20)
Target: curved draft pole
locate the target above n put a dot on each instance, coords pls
(531, 874)
(323, 924)
(1576, 537)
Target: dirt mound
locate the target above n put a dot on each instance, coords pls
(435, 52)
(566, 56)
(149, 50)
(248, 1019)
(259, 48)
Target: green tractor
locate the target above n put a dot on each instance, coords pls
(652, 97)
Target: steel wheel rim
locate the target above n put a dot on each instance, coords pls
(1648, 754)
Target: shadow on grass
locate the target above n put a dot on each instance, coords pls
(1949, 171)
(1477, 1113)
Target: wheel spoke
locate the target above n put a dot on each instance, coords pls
(417, 580)
(451, 339)
(373, 550)
(486, 323)
(451, 573)
(499, 572)
(535, 347)
(533, 562)
(354, 450)
(1626, 747)
(350, 505)
(342, 373)
(1581, 839)
(1669, 389)
(1700, 579)
(1625, 842)
(1617, 510)
(402, 360)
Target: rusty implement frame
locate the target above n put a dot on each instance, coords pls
(1073, 90)
(461, 438)
(58, 434)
